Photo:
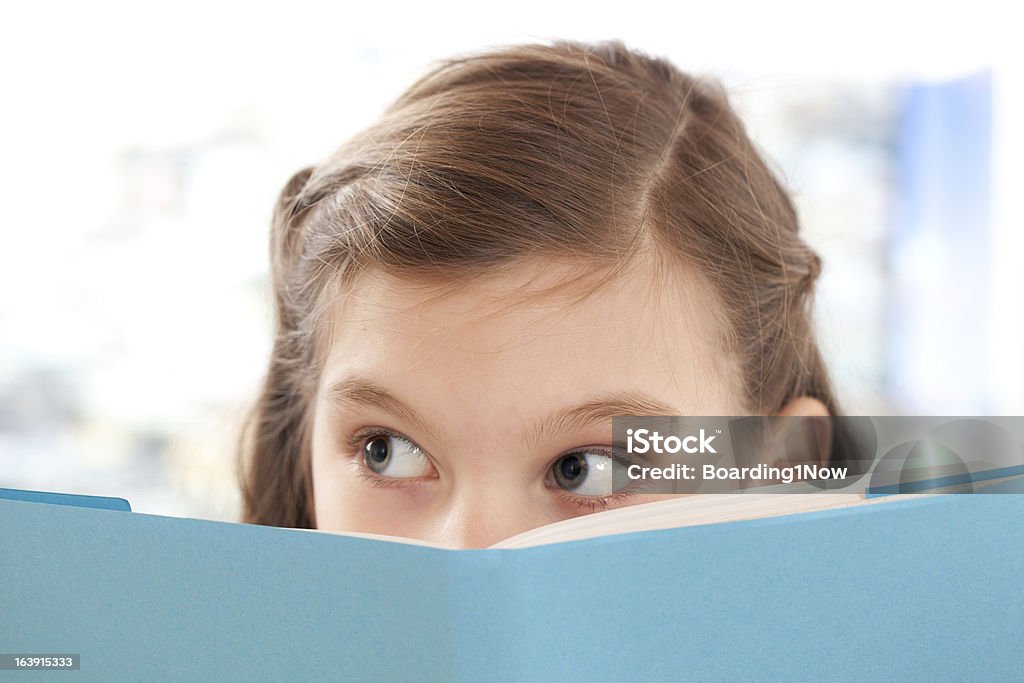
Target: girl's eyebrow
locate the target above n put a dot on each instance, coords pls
(360, 390)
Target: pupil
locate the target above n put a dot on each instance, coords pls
(571, 467)
(377, 450)
(571, 471)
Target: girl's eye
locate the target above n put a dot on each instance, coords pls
(585, 473)
(395, 458)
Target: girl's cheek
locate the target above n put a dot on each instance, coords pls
(394, 510)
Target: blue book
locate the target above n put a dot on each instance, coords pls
(893, 588)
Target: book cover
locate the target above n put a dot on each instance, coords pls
(922, 587)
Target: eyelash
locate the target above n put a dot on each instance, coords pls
(356, 442)
(595, 503)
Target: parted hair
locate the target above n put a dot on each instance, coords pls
(592, 152)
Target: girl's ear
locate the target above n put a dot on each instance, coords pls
(804, 433)
(804, 406)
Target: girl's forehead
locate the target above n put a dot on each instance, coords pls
(543, 321)
(531, 296)
(528, 283)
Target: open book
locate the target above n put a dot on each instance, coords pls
(737, 586)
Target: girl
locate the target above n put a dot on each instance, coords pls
(527, 243)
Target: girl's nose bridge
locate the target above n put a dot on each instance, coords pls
(480, 515)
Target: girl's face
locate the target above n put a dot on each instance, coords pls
(466, 419)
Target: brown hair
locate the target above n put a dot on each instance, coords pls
(585, 151)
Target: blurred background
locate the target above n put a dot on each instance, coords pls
(143, 146)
